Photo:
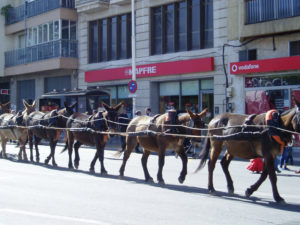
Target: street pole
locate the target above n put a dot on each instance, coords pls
(133, 52)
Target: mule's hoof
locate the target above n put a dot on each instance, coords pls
(231, 192)
(54, 164)
(76, 167)
(248, 193)
(280, 201)
(46, 162)
(92, 170)
(121, 177)
(149, 180)
(212, 192)
(103, 173)
(161, 182)
(181, 180)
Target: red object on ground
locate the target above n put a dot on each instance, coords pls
(256, 165)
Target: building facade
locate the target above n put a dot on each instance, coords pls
(264, 54)
(178, 52)
(41, 50)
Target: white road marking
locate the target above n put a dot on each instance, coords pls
(55, 217)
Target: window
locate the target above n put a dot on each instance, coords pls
(265, 10)
(248, 54)
(109, 39)
(183, 26)
(294, 48)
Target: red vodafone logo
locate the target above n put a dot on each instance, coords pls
(234, 68)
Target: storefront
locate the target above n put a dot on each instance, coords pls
(195, 91)
(270, 83)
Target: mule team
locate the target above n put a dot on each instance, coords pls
(154, 134)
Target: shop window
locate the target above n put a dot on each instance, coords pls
(272, 81)
(183, 26)
(248, 54)
(294, 48)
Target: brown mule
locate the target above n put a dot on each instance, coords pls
(4, 108)
(246, 147)
(81, 128)
(161, 143)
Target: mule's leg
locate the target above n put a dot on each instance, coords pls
(37, 153)
(76, 150)
(184, 159)
(30, 142)
(261, 179)
(144, 160)
(161, 163)
(70, 148)
(216, 148)
(23, 150)
(3, 145)
(225, 164)
(101, 158)
(130, 145)
(92, 166)
(52, 146)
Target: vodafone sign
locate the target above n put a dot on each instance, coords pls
(266, 65)
(151, 70)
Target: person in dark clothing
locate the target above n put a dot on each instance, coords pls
(123, 120)
(273, 121)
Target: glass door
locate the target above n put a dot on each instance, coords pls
(207, 98)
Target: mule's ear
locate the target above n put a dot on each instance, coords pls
(33, 104)
(117, 107)
(6, 104)
(74, 104)
(107, 107)
(192, 115)
(203, 113)
(25, 104)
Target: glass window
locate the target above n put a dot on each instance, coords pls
(51, 31)
(195, 24)
(34, 36)
(113, 38)
(190, 87)
(207, 84)
(294, 48)
(169, 88)
(40, 34)
(65, 29)
(123, 92)
(103, 55)
(94, 41)
(157, 31)
(56, 30)
(182, 26)
(57, 83)
(45, 33)
(123, 37)
(29, 37)
(170, 21)
(72, 30)
(208, 24)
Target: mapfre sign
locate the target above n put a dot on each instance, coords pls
(150, 70)
(265, 65)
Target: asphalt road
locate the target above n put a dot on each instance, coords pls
(37, 194)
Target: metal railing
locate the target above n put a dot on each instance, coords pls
(34, 8)
(54, 49)
(266, 10)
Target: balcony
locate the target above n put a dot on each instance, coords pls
(267, 10)
(34, 8)
(50, 50)
(90, 6)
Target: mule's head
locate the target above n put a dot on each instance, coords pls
(296, 118)
(99, 123)
(197, 122)
(111, 115)
(64, 113)
(19, 118)
(28, 108)
(4, 108)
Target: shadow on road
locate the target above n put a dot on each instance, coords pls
(181, 188)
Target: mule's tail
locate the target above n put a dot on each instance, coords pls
(65, 148)
(204, 154)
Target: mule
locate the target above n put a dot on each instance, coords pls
(246, 146)
(86, 129)
(4, 108)
(161, 143)
(15, 131)
(42, 126)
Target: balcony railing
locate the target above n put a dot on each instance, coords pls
(35, 8)
(54, 49)
(265, 10)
